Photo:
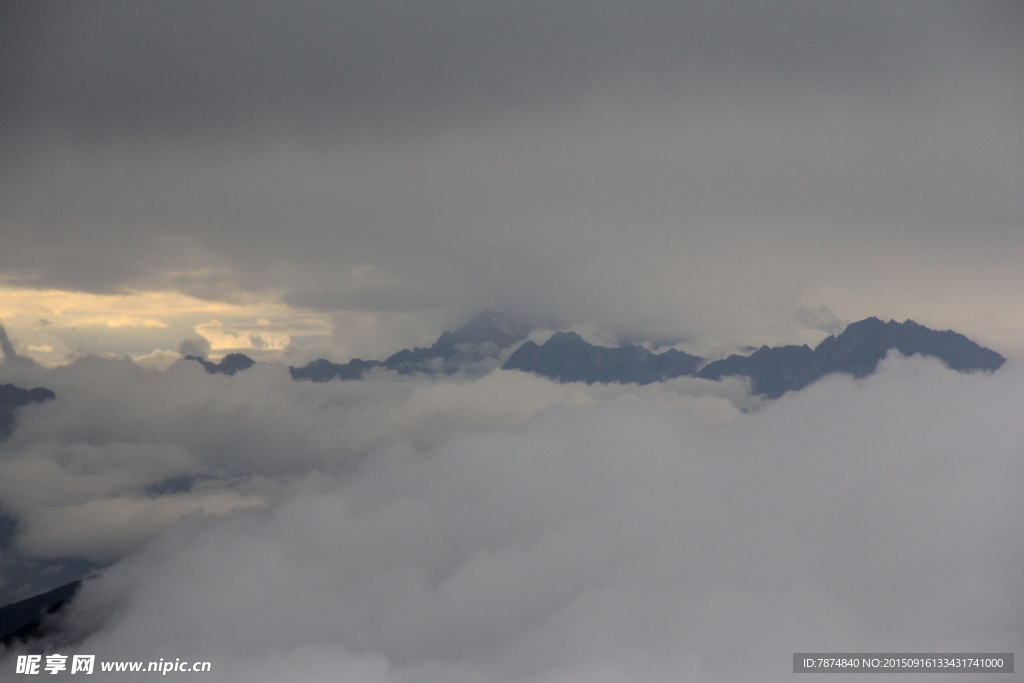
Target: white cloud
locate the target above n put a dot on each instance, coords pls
(222, 337)
(510, 529)
(41, 348)
(130, 321)
(159, 359)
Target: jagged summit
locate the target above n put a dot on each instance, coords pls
(774, 371)
(860, 346)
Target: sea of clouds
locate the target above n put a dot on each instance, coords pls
(507, 528)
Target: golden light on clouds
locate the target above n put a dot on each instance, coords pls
(53, 325)
(81, 308)
(123, 321)
(260, 336)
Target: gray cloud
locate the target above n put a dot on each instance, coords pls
(197, 68)
(194, 347)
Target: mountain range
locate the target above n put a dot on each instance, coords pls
(773, 371)
(856, 351)
(483, 337)
(567, 357)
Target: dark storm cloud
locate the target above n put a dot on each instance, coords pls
(196, 68)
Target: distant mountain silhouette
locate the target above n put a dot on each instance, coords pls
(228, 365)
(12, 398)
(482, 337)
(774, 371)
(323, 370)
(566, 357)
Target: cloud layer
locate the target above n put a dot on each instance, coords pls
(126, 451)
(572, 535)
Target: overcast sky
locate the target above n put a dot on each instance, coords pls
(361, 176)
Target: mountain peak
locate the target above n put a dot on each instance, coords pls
(567, 357)
(856, 351)
(229, 364)
(490, 327)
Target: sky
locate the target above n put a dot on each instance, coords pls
(303, 180)
(345, 179)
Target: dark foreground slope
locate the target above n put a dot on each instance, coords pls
(23, 620)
